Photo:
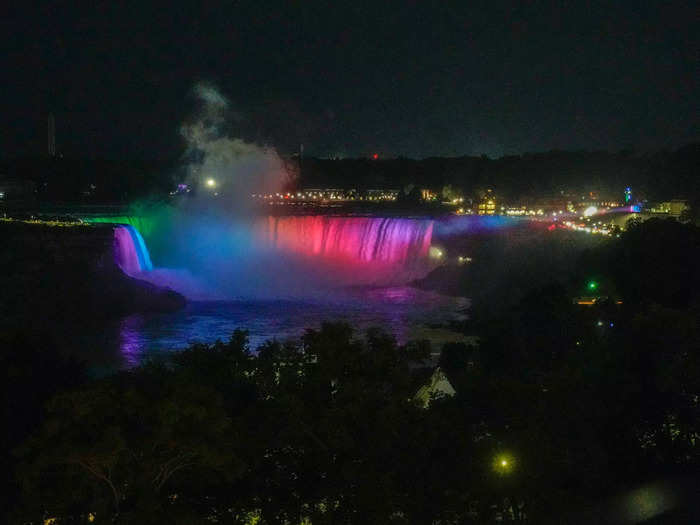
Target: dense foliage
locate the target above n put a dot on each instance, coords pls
(557, 407)
(657, 176)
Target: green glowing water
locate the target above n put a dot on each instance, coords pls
(153, 220)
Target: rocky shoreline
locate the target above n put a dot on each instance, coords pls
(56, 270)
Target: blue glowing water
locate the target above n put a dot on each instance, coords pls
(403, 311)
(406, 312)
(130, 251)
(141, 250)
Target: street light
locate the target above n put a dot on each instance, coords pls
(503, 463)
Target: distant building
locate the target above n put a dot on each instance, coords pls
(595, 200)
(437, 386)
(676, 207)
(428, 195)
(673, 208)
(323, 194)
(487, 205)
(328, 195)
(382, 195)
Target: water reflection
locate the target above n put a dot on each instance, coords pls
(399, 310)
(131, 344)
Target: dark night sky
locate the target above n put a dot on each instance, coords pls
(400, 78)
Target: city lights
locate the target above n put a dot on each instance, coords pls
(324, 196)
(210, 183)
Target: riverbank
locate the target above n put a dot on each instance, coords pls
(60, 270)
(496, 268)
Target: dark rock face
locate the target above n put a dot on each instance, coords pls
(61, 271)
(135, 295)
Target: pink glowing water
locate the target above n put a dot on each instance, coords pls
(351, 250)
(130, 251)
(125, 251)
(288, 256)
(352, 239)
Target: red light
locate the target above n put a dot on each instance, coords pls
(375, 156)
(551, 227)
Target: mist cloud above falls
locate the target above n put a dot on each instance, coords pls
(238, 168)
(208, 244)
(213, 243)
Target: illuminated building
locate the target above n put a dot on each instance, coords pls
(676, 207)
(593, 199)
(328, 196)
(487, 206)
(437, 386)
(428, 195)
(382, 195)
(673, 208)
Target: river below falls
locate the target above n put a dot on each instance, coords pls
(407, 313)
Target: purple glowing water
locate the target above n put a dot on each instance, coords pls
(403, 311)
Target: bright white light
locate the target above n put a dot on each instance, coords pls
(211, 183)
(591, 210)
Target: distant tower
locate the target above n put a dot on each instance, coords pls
(52, 135)
(628, 195)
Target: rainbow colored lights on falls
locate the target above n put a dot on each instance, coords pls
(284, 255)
(130, 251)
(358, 240)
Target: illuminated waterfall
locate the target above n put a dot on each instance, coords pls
(130, 251)
(284, 255)
(360, 240)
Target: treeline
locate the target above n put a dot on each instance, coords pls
(83, 180)
(658, 176)
(558, 407)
